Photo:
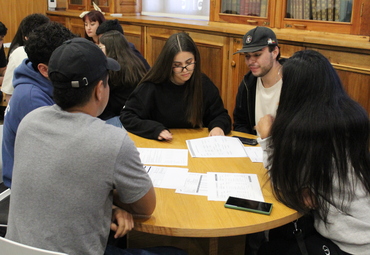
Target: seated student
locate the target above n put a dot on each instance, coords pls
(124, 81)
(175, 94)
(3, 60)
(259, 91)
(317, 153)
(32, 87)
(92, 20)
(16, 52)
(64, 187)
(113, 24)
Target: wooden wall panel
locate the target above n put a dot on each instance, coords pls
(358, 87)
(12, 12)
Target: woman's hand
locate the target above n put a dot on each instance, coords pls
(263, 126)
(122, 222)
(165, 135)
(216, 132)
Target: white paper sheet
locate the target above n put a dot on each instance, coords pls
(254, 153)
(195, 184)
(166, 157)
(216, 147)
(223, 185)
(167, 177)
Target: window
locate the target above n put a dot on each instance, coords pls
(187, 9)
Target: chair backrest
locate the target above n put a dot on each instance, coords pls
(8, 247)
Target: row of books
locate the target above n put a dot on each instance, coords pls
(245, 7)
(328, 10)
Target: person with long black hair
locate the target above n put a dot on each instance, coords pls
(317, 152)
(175, 94)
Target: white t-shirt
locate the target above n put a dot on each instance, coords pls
(267, 99)
(15, 59)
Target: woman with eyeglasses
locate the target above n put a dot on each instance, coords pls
(175, 94)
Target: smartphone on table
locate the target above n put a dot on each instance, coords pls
(248, 141)
(248, 205)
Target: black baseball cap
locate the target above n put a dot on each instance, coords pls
(258, 38)
(79, 62)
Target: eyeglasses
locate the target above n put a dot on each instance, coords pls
(180, 69)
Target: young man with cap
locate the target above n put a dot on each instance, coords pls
(259, 91)
(63, 188)
(32, 88)
(113, 24)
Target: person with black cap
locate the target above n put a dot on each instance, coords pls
(64, 188)
(259, 91)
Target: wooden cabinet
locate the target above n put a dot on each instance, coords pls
(125, 7)
(335, 16)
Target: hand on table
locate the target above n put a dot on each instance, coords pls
(165, 135)
(216, 132)
(122, 222)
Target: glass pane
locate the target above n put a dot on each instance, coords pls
(327, 10)
(245, 7)
(102, 2)
(192, 9)
(75, 2)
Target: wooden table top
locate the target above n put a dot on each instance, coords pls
(194, 216)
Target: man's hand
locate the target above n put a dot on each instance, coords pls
(122, 222)
(263, 126)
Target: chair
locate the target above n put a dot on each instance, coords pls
(5, 198)
(8, 247)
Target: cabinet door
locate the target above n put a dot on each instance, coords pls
(252, 12)
(336, 16)
(77, 26)
(80, 5)
(135, 35)
(213, 51)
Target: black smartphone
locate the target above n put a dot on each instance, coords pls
(248, 205)
(248, 141)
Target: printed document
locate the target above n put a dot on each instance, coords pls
(166, 157)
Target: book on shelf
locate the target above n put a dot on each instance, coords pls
(330, 10)
(324, 6)
(313, 9)
(264, 6)
(306, 9)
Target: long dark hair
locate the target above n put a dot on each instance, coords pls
(95, 16)
(27, 25)
(161, 72)
(320, 138)
(132, 68)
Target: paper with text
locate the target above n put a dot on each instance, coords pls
(166, 157)
(216, 147)
(167, 177)
(195, 184)
(223, 185)
(254, 153)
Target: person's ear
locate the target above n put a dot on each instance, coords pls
(43, 69)
(276, 51)
(99, 91)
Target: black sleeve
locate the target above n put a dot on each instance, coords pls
(3, 61)
(138, 54)
(241, 114)
(136, 114)
(215, 114)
